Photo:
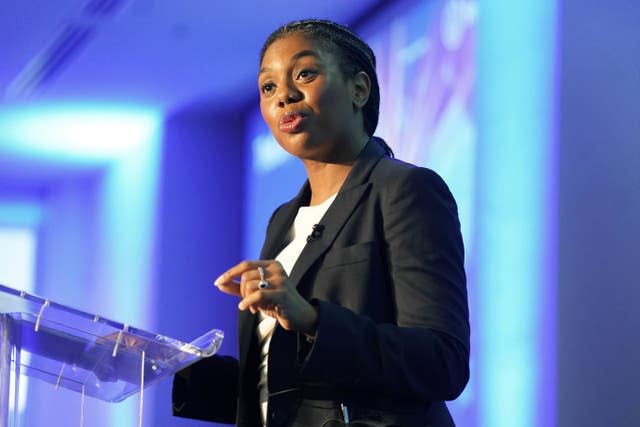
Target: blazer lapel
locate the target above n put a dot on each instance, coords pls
(332, 221)
(340, 210)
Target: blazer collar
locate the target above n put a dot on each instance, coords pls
(367, 159)
(336, 216)
(278, 230)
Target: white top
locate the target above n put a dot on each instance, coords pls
(306, 218)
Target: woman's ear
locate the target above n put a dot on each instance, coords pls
(362, 89)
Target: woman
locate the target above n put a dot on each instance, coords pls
(357, 309)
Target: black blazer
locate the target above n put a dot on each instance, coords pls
(386, 274)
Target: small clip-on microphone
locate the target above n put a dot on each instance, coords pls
(316, 232)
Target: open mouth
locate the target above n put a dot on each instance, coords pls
(292, 121)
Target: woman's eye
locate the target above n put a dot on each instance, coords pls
(306, 74)
(267, 88)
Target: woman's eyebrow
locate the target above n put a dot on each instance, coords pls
(295, 57)
(302, 53)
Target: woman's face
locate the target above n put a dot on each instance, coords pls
(306, 101)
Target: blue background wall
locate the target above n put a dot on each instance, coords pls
(599, 215)
(545, 167)
(200, 231)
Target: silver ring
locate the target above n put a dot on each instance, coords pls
(262, 284)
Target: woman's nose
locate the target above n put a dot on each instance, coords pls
(287, 94)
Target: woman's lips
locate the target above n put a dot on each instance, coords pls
(292, 122)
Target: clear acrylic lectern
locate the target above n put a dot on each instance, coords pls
(83, 352)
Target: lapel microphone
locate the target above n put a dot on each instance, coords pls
(316, 233)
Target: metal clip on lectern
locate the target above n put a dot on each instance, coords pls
(83, 352)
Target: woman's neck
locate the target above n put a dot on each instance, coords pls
(325, 179)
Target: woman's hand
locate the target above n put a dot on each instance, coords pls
(278, 299)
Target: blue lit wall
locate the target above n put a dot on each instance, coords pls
(515, 333)
(599, 215)
(200, 234)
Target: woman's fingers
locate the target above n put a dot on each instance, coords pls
(259, 299)
(231, 288)
(245, 271)
(287, 306)
(237, 271)
(279, 299)
(240, 288)
(246, 276)
(245, 280)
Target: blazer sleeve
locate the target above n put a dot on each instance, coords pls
(207, 390)
(425, 353)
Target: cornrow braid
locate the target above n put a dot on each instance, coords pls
(354, 55)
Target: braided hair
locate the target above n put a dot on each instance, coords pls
(354, 56)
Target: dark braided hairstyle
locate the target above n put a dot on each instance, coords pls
(354, 55)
